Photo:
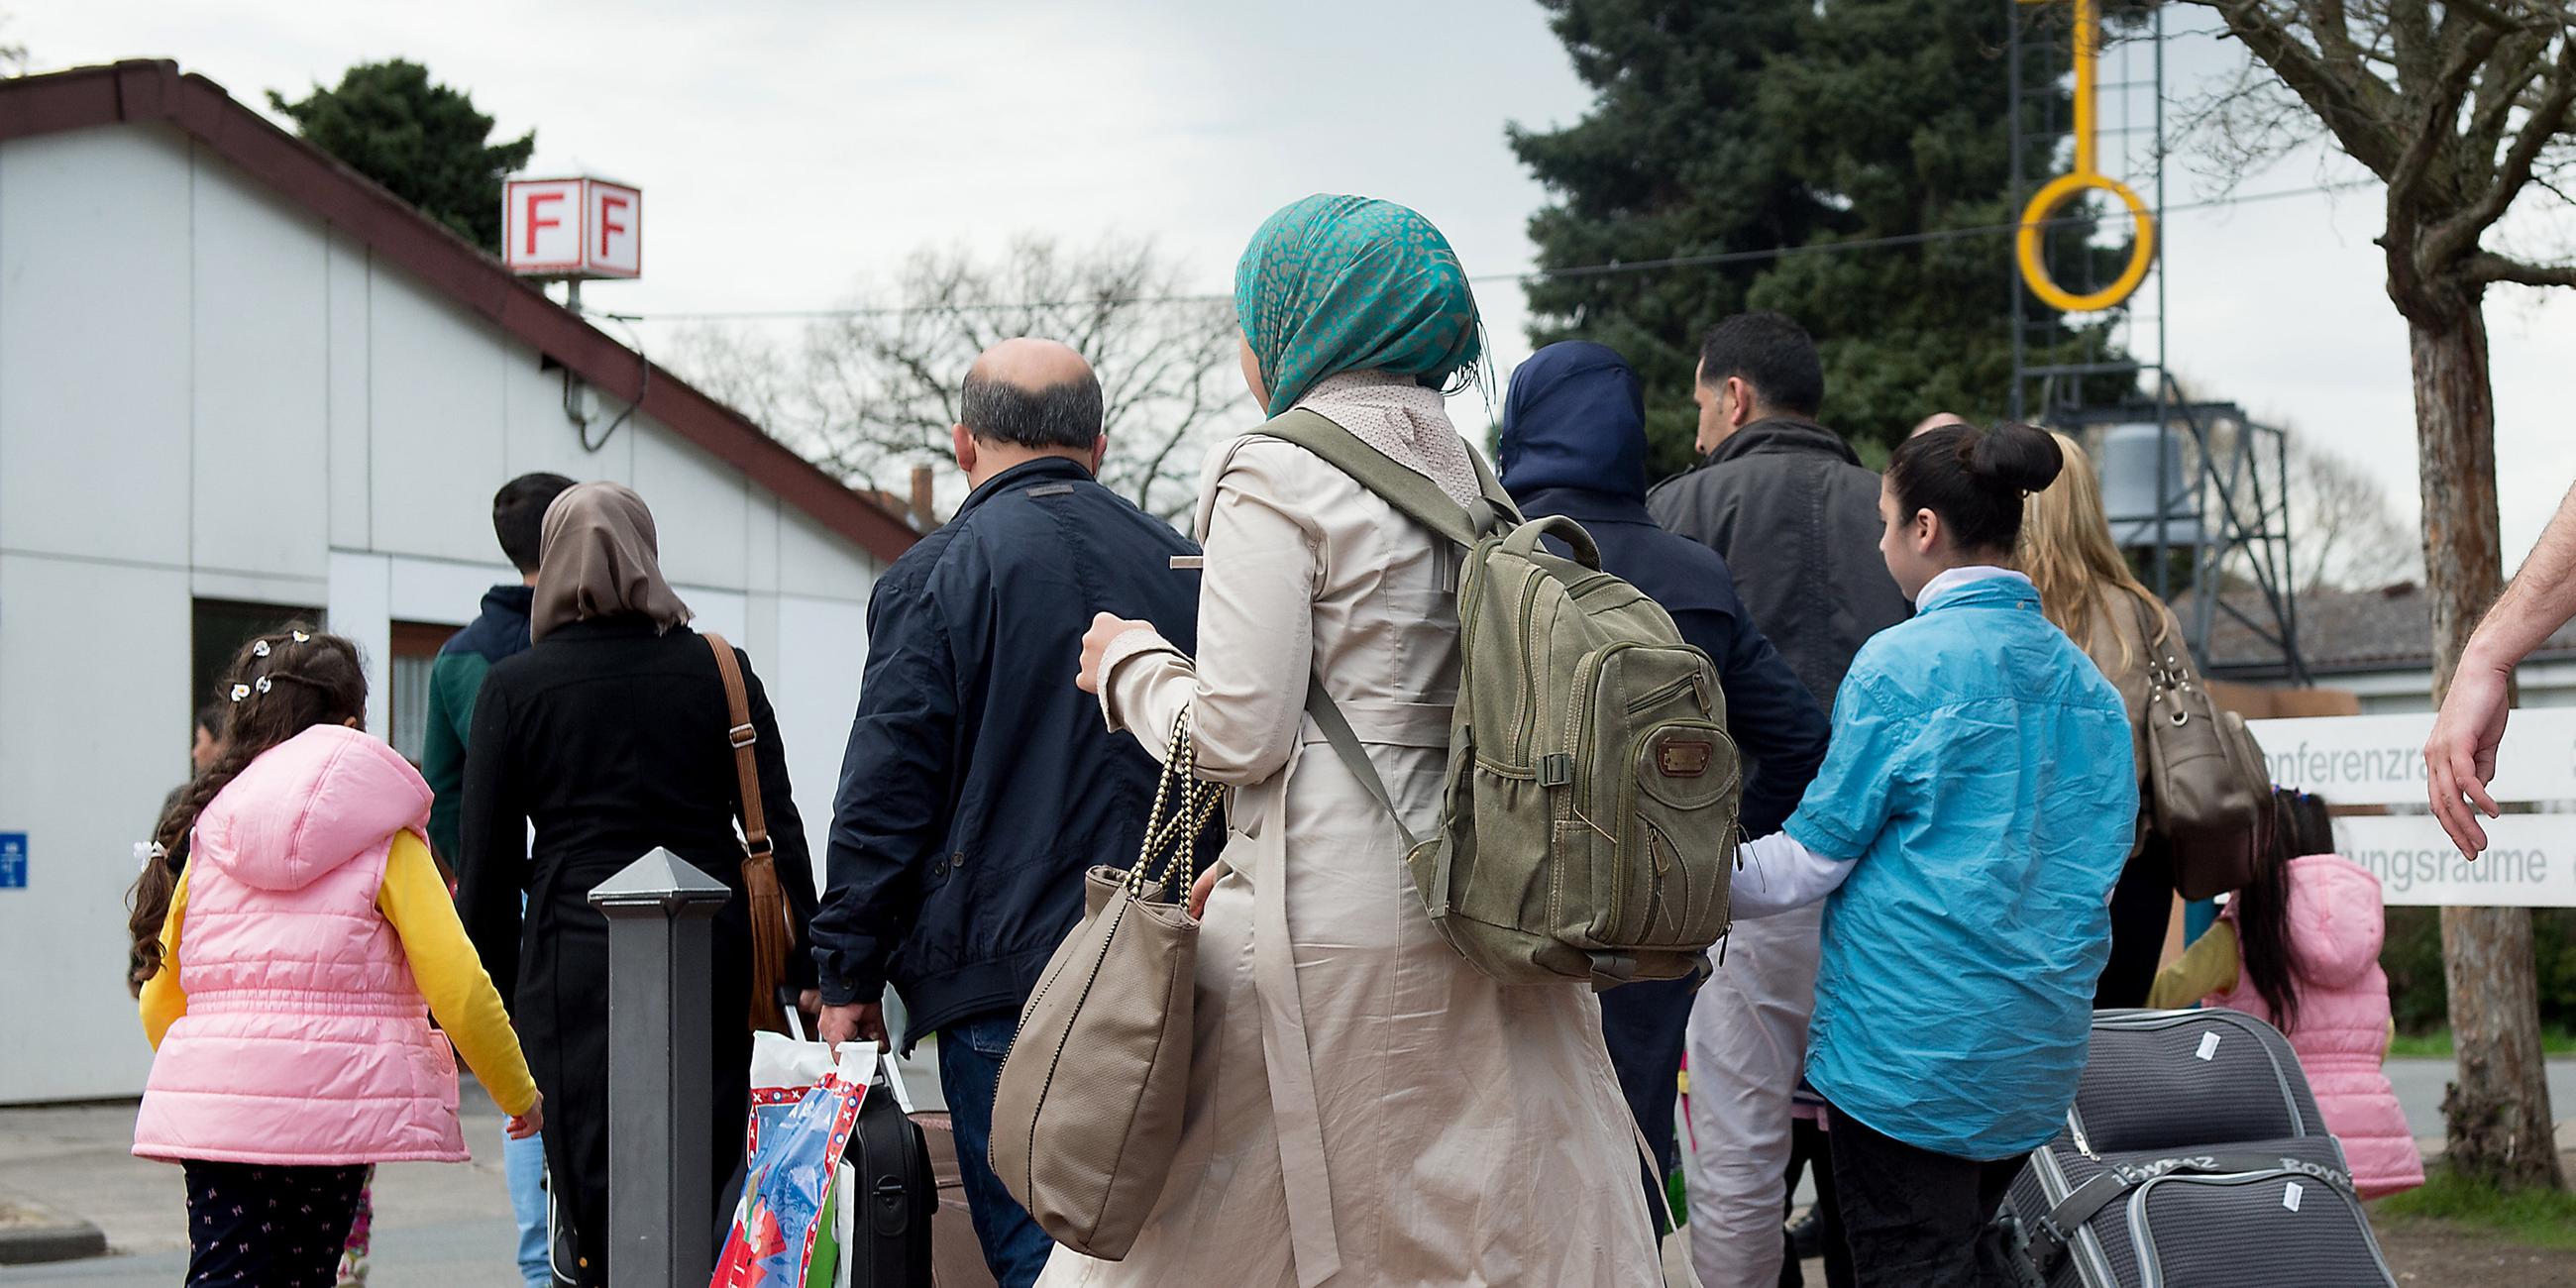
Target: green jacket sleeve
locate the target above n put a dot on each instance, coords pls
(454, 681)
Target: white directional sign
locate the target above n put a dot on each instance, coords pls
(2530, 859)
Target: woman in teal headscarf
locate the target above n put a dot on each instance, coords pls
(1365, 1108)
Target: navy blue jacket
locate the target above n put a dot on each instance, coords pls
(980, 784)
(1574, 444)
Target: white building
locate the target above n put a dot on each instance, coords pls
(238, 383)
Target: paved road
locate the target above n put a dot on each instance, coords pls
(449, 1227)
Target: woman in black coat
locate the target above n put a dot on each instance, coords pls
(610, 735)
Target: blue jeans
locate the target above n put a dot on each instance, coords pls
(524, 1163)
(970, 1065)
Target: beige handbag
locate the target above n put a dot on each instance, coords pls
(1088, 1111)
(2209, 789)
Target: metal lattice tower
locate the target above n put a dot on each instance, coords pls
(2082, 372)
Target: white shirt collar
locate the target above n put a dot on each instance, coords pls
(1950, 577)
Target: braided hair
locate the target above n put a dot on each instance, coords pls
(278, 686)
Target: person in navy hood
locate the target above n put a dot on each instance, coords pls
(1574, 444)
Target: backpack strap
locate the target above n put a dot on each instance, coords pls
(1345, 743)
(1409, 491)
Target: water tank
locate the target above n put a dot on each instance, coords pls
(2128, 461)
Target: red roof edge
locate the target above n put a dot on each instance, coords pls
(156, 91)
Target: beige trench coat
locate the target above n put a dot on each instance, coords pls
(1365, 1109)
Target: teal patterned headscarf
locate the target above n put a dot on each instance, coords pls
(1333, 284)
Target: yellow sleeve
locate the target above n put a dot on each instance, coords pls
(414, 898)
(2208, 966)
(163, 1000)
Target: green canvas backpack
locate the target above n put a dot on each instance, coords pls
(1588, 826)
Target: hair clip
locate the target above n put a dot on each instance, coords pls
(241, 691)
(261, 684)
(146, 851)
(301, 637)
(259, 649)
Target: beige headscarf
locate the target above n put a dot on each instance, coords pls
(600, 558)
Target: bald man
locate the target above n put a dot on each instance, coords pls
(978, 785)
(1937, 420)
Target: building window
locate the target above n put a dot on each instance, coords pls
(415, 648)
(218, 628)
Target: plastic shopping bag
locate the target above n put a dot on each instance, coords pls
(795, 1139)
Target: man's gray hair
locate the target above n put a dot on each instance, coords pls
(1063, 414)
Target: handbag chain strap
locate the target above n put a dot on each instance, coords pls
(1175, 833)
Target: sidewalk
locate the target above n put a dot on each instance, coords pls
(436, 1225)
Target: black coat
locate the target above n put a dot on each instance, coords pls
(979, 783)
(1790, 506)
(611, 738)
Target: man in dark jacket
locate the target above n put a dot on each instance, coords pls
(979, 786)
(498, 633)
(1574, 444)
(1789, 505)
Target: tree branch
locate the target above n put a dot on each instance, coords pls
(2457, 236)
(2338, 102)
(2486, 267)
(2441, 109)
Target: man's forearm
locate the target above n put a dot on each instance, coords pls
(2541, 598)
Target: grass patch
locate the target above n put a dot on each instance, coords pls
(2553, 1041)
(2539, 1218)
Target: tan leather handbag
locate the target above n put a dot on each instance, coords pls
(1088, 1111)
(2209, 787)
(773, 930)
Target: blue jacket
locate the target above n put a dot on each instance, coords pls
(1982, 782)
(1574, 444)
(979, 783)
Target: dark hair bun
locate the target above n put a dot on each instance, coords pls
(2016, 456)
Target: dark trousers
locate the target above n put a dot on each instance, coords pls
(1810, 1145)
(1914, 1218)
(970, 1067)
(1645, 1025)
(2141, 908)
(268, 1227)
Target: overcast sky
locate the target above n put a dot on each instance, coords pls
(789, 150)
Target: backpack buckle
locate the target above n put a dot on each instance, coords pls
(1556, 770)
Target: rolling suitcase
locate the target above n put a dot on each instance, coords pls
(2193, 1157)
(895, 1196)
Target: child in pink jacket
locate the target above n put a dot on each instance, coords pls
(289, 991)
(2300, 948)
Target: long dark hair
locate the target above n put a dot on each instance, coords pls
(1975, 479)
(2267, 959)
(278, 686)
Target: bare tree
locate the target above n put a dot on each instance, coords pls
(2462, 109)
(2346, 535)
(872, 392)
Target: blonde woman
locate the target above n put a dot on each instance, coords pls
(2085, 586)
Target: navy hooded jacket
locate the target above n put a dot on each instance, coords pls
(1574, 444)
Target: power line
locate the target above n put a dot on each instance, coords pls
(1528, 275)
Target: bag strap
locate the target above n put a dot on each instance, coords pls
(746, 761)
(1338, 735)
(773, 931)
(1409, 491)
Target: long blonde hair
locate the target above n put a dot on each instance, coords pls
(2067, 552)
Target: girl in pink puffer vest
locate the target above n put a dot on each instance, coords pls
(2300, 950)
(289, 990)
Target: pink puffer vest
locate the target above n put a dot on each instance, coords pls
(306, 1041)
(2336, 924)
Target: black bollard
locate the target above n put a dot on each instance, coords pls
(661, 914)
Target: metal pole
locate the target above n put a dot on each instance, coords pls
(661, 1202)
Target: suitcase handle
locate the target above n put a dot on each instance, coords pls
(2056, 1228)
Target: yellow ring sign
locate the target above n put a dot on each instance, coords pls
(2086, 176)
